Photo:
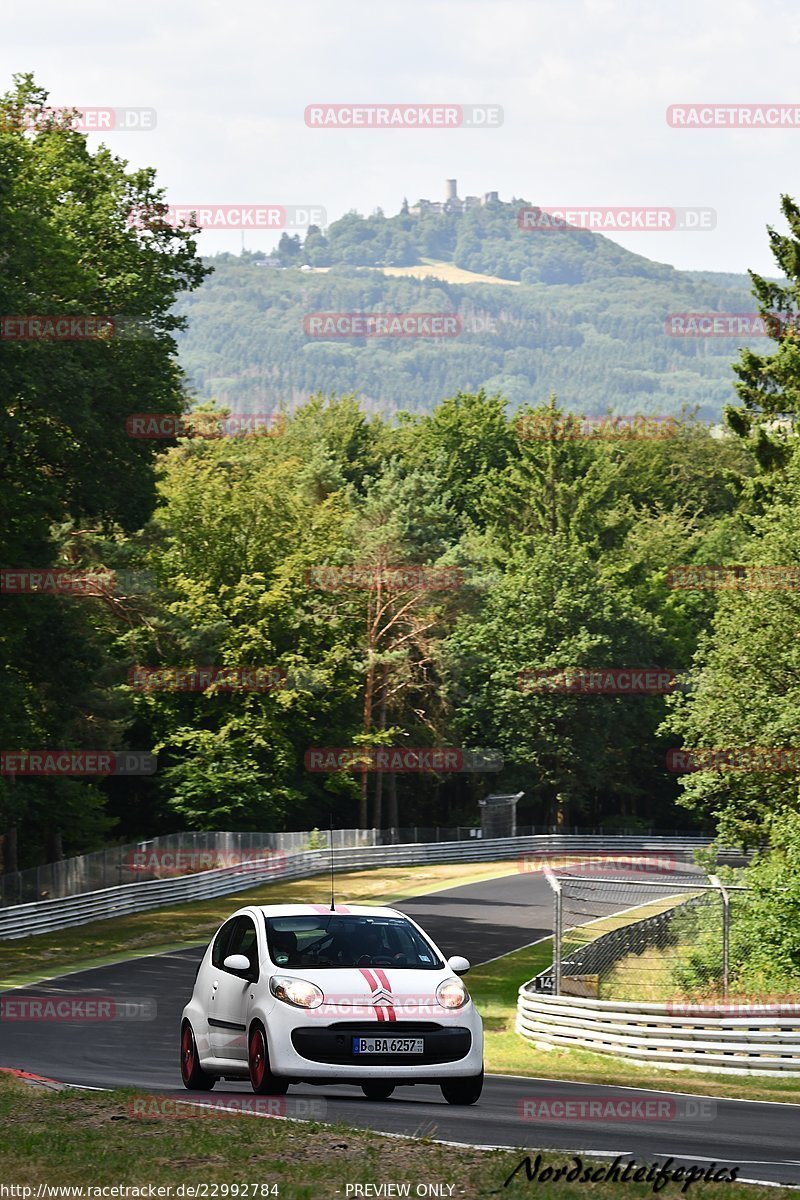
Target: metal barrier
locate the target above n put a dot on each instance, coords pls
(596, 956)
(586, 956)
(764, 1040)
(137, 862)
(131, 863)
(43, 916)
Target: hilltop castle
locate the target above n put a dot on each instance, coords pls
(452, 203)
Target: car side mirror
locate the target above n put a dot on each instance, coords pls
(458, 965)
(237, 963)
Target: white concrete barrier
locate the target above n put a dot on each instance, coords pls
(740, 1038)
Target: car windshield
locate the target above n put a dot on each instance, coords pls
(330, 940)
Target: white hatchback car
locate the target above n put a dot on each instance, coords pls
(290, 993)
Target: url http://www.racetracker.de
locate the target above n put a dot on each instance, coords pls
(182, 1191)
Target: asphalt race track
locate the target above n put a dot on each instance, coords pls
(479, 920)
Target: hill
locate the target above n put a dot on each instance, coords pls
(584, 318)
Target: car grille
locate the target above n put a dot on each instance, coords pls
(334, 1043)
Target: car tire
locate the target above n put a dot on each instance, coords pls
(193, 1076)
(463, 1091)
(376, 1089)
(262, 1081)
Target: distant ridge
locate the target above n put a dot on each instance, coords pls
(589, 319)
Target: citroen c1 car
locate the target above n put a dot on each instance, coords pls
(291, 993)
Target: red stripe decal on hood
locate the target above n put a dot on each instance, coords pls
(383, 980)
(370, 978)
(382, 1011)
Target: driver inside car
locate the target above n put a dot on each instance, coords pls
(370, 947)
(356, 946)
(284, 948)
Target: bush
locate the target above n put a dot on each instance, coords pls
(765, 926)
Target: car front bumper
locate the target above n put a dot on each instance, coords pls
(325, 1051)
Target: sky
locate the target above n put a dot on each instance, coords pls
(584, 87)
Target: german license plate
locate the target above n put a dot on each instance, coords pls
(387, 1045)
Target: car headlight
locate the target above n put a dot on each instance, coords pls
(299, 992)
(451, 993)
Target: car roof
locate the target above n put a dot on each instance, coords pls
(317, 910)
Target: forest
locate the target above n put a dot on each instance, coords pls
(366, 587)
(569, 312)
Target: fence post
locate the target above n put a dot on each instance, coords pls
(558, 928)
(726, 933)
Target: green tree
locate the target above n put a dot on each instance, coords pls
(769, 384)
(466, 442)
(67, 247)
(552, 611)
(240, 526)
(746, 669)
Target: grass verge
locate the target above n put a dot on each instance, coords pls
(90, 1139)
(494, 989)
(449, 272)
(26, 960)
(648, 976)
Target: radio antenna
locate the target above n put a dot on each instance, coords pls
(333, 906)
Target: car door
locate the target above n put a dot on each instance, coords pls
(230, 993)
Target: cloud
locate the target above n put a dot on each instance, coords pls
(584, 84)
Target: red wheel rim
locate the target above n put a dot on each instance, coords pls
(258, 1058)
(187, 1053)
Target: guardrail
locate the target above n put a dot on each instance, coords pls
(138, 862)
(134, 862)
(765, 1041)
(597, 956)
(44, 916)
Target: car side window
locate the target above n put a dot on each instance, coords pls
(244, 940)
(220, 951)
